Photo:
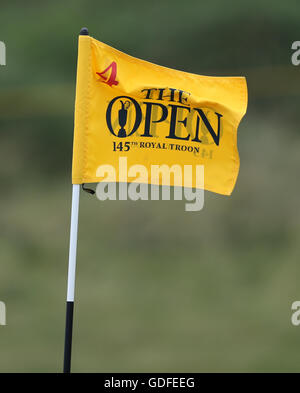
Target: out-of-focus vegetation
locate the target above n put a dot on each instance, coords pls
(158, 289)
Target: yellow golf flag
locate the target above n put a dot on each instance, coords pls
(153, 115)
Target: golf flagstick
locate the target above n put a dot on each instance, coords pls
(72, 267)
(71, 277)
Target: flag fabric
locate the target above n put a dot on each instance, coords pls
(153, 115)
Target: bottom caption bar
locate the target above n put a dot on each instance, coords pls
(146, 382)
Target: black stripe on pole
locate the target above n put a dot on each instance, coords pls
(68, 337)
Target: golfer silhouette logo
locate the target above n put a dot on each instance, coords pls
(123, 112)
(111, 80)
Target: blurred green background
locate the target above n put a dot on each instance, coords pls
(158, 288)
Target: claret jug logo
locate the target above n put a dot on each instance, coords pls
(123, 112)
(111, 80)
(126, 116)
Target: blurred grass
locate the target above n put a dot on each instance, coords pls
(158, 289)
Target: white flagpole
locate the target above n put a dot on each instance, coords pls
(71, 277)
